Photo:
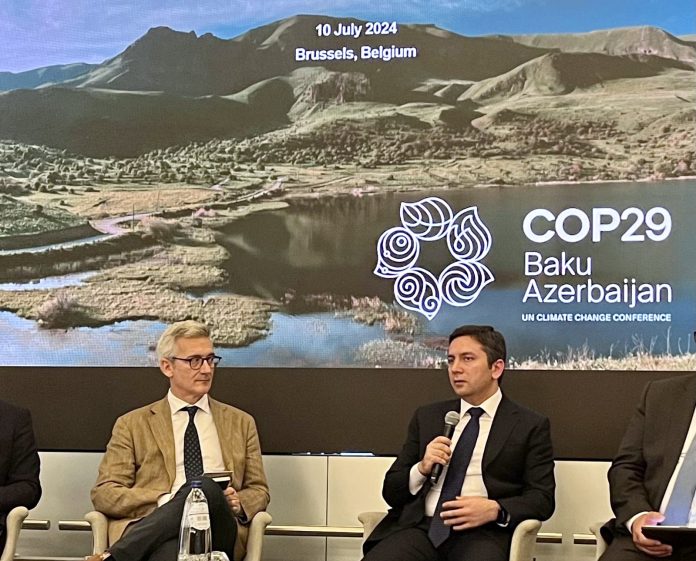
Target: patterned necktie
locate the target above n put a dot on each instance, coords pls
(193, 460)
(679, 505)
(452, 486)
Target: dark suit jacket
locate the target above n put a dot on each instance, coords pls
(517, 466)
(650, 448)
(19, 463)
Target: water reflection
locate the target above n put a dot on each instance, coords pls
(126, 343)
(328, 247)
(312, 340)
(47, 283)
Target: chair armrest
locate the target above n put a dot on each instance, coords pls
(369, 521)
(601, 543)
(100, 530)
(14, 524)
(524, 540)
(257, 528)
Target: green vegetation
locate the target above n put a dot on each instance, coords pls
(19, 217)
(549, 145)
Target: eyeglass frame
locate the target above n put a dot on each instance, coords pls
(212, 360)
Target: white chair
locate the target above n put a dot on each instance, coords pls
(521, 548)
(100, 524)
(14, 524)
(601, 543)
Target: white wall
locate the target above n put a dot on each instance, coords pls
(314, 491)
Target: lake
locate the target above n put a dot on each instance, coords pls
(328, 246)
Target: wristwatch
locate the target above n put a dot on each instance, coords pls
(503, 517)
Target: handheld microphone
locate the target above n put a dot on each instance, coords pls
(451, 421)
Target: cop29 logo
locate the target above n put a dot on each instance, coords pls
(425, 221)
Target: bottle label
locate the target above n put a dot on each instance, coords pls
(198, 516)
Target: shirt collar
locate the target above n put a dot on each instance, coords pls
(490, 406)
(176, 404)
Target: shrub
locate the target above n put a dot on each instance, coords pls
(161, 230)
(57, 311)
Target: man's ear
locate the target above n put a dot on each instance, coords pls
(497, 369)
(166, 367)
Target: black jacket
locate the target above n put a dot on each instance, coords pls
(518, 466)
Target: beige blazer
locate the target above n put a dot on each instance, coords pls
(139, 465)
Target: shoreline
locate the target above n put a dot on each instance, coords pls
(596, 181)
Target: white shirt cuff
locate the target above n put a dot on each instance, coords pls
(415, 480)
(629, 523)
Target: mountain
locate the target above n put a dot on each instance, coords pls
(561, 73)
(185, 64)
(123, 124)
(171, 87)
(644, 40)
(43, 76)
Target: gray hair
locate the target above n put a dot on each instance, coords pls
(188, 329)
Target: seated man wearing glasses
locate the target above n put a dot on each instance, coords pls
(156, 451)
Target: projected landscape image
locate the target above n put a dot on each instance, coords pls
(243, 178)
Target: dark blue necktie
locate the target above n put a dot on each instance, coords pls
(193, 460)
(452, 487)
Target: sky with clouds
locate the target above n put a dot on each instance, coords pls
(35, 33)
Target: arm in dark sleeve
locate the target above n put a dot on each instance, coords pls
(395, 489)
(22, 486)
(627, 473)
(537, 499)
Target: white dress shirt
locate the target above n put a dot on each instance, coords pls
(670, 487)
(473, 481)
(207, 436)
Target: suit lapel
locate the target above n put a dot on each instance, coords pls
(161, 425)
(221, 420)
(504, 422)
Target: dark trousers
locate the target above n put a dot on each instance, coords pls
(623, 549)
(487, 543)
(156, 537)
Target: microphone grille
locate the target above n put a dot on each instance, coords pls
(451, 418)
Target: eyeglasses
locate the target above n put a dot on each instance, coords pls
(196, 362)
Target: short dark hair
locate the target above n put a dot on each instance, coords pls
(492, 341)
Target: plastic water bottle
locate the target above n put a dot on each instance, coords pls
(194, 536)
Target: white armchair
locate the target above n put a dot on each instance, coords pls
(257, 529)
(601, 543)
(15, 518)
(100, 524)
(521, 548)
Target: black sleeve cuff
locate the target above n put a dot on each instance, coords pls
(503, 519)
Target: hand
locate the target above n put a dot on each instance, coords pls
(438, 451)
(646, 545)
(464, 513)
(233, 500)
